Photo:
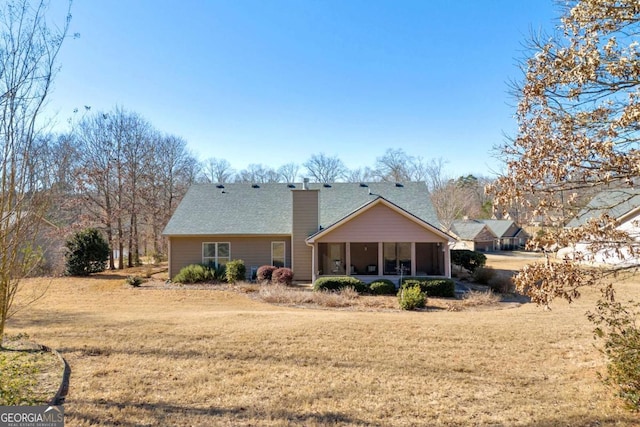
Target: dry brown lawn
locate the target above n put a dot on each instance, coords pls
(149, 356)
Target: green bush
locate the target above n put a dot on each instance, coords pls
(617, 326)
(382, 287)
(469, 260)
(265, 273)
(334, 283)
(195, 273)
(282, 276)
(219, 273)
(411, 297)
(87, 253)
(236, 271)
(484, 275)
(134, 281)
(433, 287)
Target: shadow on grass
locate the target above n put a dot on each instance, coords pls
(136, 414)
(47, 318)
(132, 414)
(585, 421)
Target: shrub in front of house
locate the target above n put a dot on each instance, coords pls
(195, 273)
(236, 271)
(134, 281)
(469, 260)
(282, 276)
(433, 287)
(335, 283)
(502, 284)
(411, 297)
(484, 275)
(382, 287)
(265, 273)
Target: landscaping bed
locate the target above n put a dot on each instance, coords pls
(29, 375)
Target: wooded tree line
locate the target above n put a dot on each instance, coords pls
(115, 171)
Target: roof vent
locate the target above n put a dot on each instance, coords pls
(223, 192)
(219, 186)
(399, 184)
(362, 184)
(255, 186)
(326, 185)
(291, 186)
(305, 184)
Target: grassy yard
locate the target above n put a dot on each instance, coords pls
(198, 357)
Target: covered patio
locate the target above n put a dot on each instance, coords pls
(371, 260)
(380, 241)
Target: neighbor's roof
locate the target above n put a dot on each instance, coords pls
(500, 226)
(241, 209)
(468, 229)
(615, 202)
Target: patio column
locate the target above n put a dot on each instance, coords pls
(380, 259)
(447, 259)
(348, 258)
(314, 269)
(413, 258)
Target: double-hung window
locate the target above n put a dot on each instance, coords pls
(216, 253)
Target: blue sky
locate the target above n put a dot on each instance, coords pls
(275, 81)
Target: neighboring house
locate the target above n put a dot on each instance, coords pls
(368, 230)
(474, 235)
(510, 235)
(623, 205)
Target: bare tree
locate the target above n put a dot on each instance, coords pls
(138, 138)
(170, 172)
(435, 175)
(95, 176)
(360, 175)
(28, 51)
(257, 174)
(324, 169)
(394, 166)
(453, 201)
(288, 172)
(217, 170)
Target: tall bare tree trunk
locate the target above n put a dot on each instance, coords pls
(28, 51)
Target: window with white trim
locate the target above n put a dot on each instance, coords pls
(216, 253)
(277, 254)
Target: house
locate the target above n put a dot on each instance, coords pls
(474, 235)
(367, 230)
(510, 235)
(623, 205)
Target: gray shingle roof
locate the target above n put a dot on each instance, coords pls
(500, 226)
(615, 202)
(241, 209)
(467, 229)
